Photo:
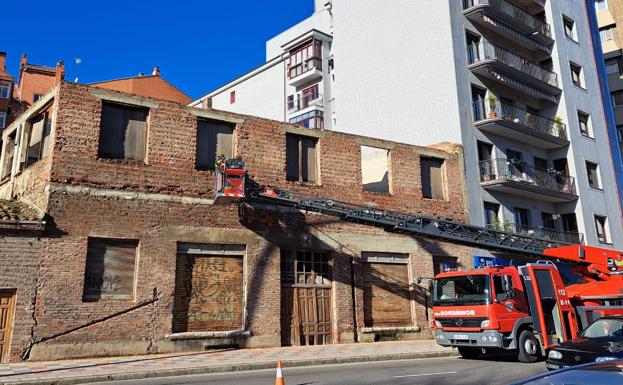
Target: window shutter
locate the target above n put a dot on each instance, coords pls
(135, 134)
(292, 157)
(109, 271)
(206, 146)
(34, 143)
(224, 136)
(308, 149)
(47, 130)
(112, 131)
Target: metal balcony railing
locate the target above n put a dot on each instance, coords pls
(484, 50)
(555, 235)
(515, 13)
(517, 171)
(304, 66)
(304, 101)
(500, 109)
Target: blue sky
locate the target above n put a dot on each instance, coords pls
(198, 45)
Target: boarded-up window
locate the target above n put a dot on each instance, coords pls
(123, 132)
(301, 158)
(38, 139)
(444, 263)
(208, 291)
(374, 169)
(432, 178)
(109, 272)
(213, 139)
(386, 292)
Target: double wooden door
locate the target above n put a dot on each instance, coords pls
(7, 308)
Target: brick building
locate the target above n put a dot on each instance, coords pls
(136, 257)
(151, 85)
(6, 89)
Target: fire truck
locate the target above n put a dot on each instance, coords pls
(526, 308)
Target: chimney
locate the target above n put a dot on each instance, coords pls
(156, 71)
(59, 73)
(23, 60)
(2, 61)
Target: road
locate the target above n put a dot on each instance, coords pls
(451, 371)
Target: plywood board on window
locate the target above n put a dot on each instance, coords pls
(386, 295)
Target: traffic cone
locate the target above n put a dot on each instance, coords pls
(279, 379)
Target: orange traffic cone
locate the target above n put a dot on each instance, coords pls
(279, 380)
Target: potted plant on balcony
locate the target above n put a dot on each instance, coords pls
(558, 125)
(492, 106)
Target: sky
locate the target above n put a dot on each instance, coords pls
(198, 45)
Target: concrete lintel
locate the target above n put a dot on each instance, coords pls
(129, 195)
(311, 132)
(205, 335)
(215, 115)
(122, 98)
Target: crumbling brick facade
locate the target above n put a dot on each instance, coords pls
(166, 206)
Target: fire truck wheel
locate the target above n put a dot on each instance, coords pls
(469, 353)
(529, 350)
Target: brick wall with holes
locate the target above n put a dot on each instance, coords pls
(163, 203)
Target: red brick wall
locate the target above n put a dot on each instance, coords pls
(32, 83)
(91, 197)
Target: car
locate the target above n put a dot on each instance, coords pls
(602, 373)
(601, 341)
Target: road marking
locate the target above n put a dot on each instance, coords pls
(425, 374)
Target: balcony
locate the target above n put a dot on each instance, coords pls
(304, 103)
(482, 12)
(502, 118)
(304, 72)
(504, 67)
(555, 235)
(517, 178)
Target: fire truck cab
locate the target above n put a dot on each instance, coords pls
(527, 309)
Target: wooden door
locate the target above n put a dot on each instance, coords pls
(386, 295)
(305, 298)
(7, 308)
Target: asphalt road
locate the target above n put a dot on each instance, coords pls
(451, 371)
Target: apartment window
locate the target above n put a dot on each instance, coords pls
(301, 158)
(585, 125)
(9, 153)
(312, 119)
(540, 163)
(109, 272)
(522, 219)
(38, 139)
(569, 25)
(432, 178)
(620, 133)
(305, 58)
(606, 33)
(123, 132)
(601, 5)
(213, 139)
(36, 97)
(2, 119)
(601, 225)
(5, 90)
(232, 97)
(492, 214)
(548, 220)
(576, 75)
(374, 169)
(569, 222)
(617, 98)
(612, 67)
(444, 263)
(592, 170)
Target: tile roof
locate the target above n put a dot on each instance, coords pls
(12, 211)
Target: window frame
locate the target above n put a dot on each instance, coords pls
(127, 107)
(566, 20)
(613, 95)
(606, 33)
(588, 124)
(300, 139)
(3, 119)
(443, 182)
(387, 187)
(573, 67)
(7, 87)
(211, 166)
(589, 175)
(613, 63)
(603, 238)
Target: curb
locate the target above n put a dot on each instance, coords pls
(232, 368)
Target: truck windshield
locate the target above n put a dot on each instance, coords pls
(465, 290)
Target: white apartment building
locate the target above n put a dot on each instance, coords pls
(514, 81)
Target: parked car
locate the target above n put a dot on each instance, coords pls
(601, 341)
(602, 373)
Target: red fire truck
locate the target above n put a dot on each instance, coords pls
(528, 308)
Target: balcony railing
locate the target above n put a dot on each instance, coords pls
(304, 66)
(479, 52)
(540, 232)
(499, 109)
(304, 102)
(505, 170)
(514, 13)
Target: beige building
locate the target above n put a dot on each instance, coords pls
(610, 20)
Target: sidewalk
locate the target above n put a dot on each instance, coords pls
(163, 365)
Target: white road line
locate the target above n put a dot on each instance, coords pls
(425, 374)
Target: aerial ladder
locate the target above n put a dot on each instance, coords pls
(528, 308)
